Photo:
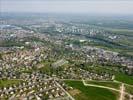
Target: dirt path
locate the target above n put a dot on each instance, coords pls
(122, 92)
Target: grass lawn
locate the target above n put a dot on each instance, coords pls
(90, 93)
(107, 84)
(6, 83)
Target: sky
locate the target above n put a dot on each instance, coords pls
(68, 6)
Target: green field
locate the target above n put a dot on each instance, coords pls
(6, 83)
(107, 84)
(129, 89)
(90, 93)
(124, 78)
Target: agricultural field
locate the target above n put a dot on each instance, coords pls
(81, 92)
(124, 78)
(129, 89)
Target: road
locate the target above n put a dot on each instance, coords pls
(65, 91)
(122, 92)
(85, 84)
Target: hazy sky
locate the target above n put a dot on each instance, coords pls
(68, 6)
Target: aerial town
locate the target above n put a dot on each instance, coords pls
(75, 53)
(38, 65)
